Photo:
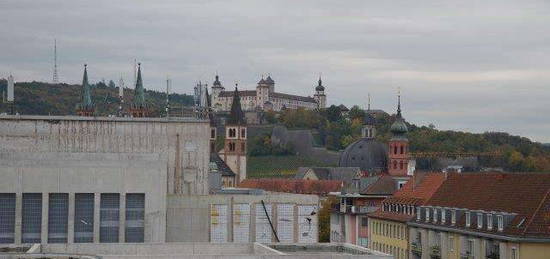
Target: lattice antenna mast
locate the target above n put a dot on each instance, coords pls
(55, 75)
(168, 86)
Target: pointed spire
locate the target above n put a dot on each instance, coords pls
(399, 102)
(368, 105)
(236, 117)
(86, 91)
(139, 92)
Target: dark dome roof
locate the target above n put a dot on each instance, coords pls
(367, 154)
(320, 86)
(399, 127)
(369, 120)
(269, 80)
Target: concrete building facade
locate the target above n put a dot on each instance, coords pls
(89, 179)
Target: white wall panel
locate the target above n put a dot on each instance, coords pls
(285, 222)
(241, 223)
(263, 229)
(307, 224)
(218, 223)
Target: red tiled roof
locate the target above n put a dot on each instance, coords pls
(415, 192)
(319, 187)
(526, 194)
(385, 185)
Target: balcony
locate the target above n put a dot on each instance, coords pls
(466, 255)
(416, 249)
(435, 252)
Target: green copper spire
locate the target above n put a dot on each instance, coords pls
(86, 91)
(139, 92)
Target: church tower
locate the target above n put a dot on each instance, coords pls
(319, 95)
(139, 107)
(217, 89)
(369, 128)
(85, 107)
(234, 153)
(398, 147)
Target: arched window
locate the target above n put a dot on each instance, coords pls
(401, 149)
(395, 149)
(394, 164)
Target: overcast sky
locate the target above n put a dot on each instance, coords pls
(463, 65)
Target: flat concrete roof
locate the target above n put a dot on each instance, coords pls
(102, 118)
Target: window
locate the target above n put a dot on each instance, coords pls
(364, 221)
(401, 149)
(395, 149)
(470, 246)
(7, 218)
(500, 222)
(443, 216)
(468, 219)
(400, 164)
(58, 213)
(232, 133)
(418, 213)
(453, 217)
(231, 146)
(514, 253)
(135, 208)
(451, 243)
(243, 133)
(427, 214)
(109, 216)
(479, 220)
(490, 221)
(213, 133)
(394, 164)
(435, 215)
(31, 224)
(84, 217)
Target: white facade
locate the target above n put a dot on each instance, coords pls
(264, 98)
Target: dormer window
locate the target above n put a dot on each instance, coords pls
(443, 212)
(418, 213)
(435, 215)
(468, 219)
(500, 222)
(489, 221)
(427, 214)
(453, 217)
(479, 220)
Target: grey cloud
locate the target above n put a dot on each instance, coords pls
(475, 65)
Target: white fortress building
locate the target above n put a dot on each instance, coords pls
(266, 98)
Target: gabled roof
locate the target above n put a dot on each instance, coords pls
(525, 194)
(318, 187)
(343, 108)
(221, 166)
(345, 174)
(384, 185)
(417, 191)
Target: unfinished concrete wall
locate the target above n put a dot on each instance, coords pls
(189, 218)
(181, 144)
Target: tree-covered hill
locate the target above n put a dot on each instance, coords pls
(61, 99)
(499, 149)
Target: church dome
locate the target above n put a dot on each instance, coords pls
(367, 154)
(399, 127)
(320, 86)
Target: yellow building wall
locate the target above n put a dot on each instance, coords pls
(389, 236)
(534, 251)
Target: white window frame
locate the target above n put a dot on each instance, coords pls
(427, 214)
(435, 215)
(500, 222)
(443, 212)
(489, 221)
(479, 220)
(451, 243)
(514, 253)
(453, 217)
(468, 218)
(418, 213)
